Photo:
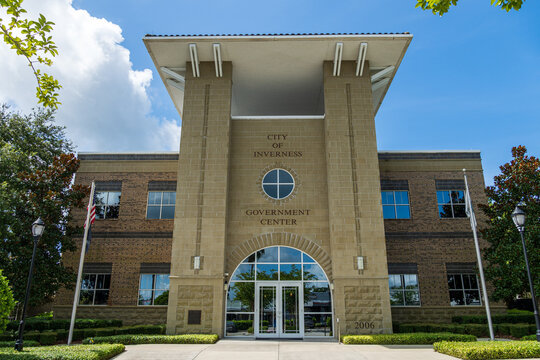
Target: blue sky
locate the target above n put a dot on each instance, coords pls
(470, 79)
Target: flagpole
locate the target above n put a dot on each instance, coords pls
(81, 263)
(472, 218)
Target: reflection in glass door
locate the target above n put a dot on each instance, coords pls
(267, 310)
(290, 309)
(278, 311)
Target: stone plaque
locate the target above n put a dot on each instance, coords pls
(194, 317)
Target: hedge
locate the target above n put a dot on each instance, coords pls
(478, 330)
(512, 318)
(138, 329)
(75, 352)
(485, 350)
(41, 324)
(405, 339)
(11, 344)
(51, 337)
(154, 339)
(529, 337)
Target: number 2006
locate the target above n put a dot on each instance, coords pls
(364, 325)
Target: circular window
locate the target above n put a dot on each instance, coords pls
(278, 184)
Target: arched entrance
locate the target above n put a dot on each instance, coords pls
(279, 292)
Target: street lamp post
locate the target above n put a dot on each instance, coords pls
(519, 219)
(37, 230)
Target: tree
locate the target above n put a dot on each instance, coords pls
(36, 173)
(441, 7)
(6, 302)
(519, 181)
(30, 38)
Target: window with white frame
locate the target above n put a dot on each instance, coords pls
(463, 289)
(161, 204)
(395, 204)
(154, 289)
(403, 284)
(404, 290)
(95, 289)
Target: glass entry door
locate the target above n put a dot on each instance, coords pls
(278, 309)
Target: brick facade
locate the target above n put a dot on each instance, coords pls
(424, 239)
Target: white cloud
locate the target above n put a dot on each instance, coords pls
(105, 102)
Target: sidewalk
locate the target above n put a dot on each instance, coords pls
(280, 350)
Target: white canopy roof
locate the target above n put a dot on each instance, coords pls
(277, 75)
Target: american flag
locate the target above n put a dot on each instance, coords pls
(92, 220)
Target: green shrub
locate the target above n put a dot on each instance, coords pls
(47, 338)
(41, 324)
(485, 350)
(529, 337)
(105, 332)
(75, 352)
(34, 324)
(59, 324)
(519, 330)
(89, 332)
(6, 302)
(10, 344)
(61, 335)
(405, 339)
(512, 318)
(31, 335)
(115, 323)
(503, 329)
(78, 334)
(155, 339)
(91, 323)
(436, 328)
(478, 330)
(45, 315)
(141, 329)
(6, 336)
(519, 312)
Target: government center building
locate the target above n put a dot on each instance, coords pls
(278, 217)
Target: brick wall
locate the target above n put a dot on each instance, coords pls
(431, 242)
(125, 242)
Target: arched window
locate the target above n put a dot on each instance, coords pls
(279, 291)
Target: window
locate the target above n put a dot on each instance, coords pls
(278, 263)
(154, 289)
(95, 289)
(107, 204)
(278, 184)
(451, 203)
(395, 204)
(404, 290)
(161, 204)
(463, 289)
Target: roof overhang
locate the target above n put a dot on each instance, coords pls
(277, 75)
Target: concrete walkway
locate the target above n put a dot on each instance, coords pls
(281, 350)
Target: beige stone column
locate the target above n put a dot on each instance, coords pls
(361, 297)
(201, 203)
